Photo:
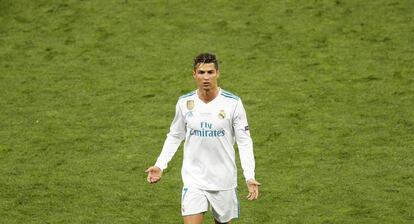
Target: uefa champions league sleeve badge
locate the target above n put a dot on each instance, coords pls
(190, 107)
(190, 104)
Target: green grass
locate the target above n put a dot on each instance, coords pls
(88, 88)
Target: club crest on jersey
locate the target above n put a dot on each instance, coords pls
(222, 114)
(190, 104)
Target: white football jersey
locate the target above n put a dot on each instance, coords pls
(210, 131)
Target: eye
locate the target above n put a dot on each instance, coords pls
(201, 72)
(210, 72)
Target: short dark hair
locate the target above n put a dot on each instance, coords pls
(205, 58)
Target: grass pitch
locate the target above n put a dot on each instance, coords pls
(88, 88)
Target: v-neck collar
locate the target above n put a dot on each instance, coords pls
(215, 98)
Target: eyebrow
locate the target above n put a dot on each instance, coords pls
(200, 70)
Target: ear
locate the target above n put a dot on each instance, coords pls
(218, 73)
(194, 73)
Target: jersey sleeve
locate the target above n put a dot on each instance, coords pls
(173, 140)
(244, 141)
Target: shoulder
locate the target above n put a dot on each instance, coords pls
(229, 95)
(192, 93)
(182, 100)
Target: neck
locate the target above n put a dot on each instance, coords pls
(208, 95)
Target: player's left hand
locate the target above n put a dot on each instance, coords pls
(253, 187)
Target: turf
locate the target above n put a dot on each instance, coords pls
(88, 88)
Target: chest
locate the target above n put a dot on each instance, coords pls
(208, 117)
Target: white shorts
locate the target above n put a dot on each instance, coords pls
(224, 204)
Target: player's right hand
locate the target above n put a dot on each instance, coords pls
(154, 174)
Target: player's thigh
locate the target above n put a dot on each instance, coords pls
(194, 219)
(193, 202)
(225, 205)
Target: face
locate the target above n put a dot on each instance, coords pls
(206, 76)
